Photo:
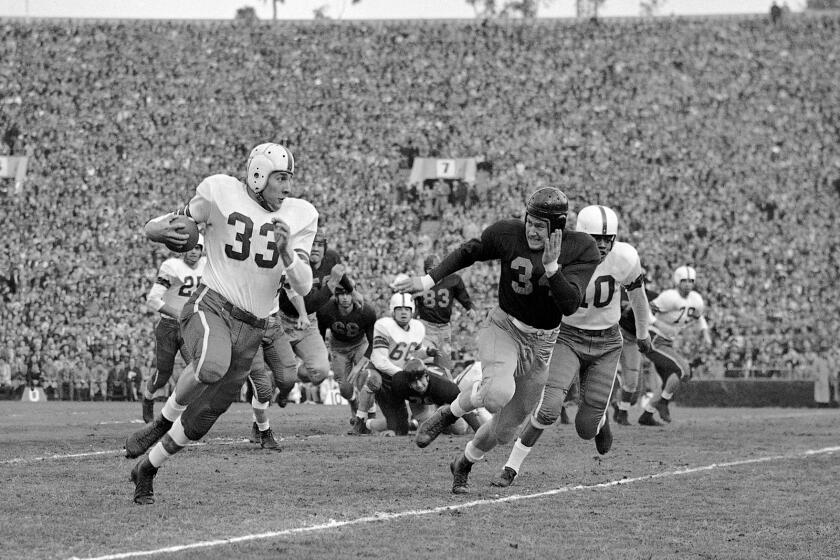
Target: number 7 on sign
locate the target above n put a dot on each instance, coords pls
(446, 168)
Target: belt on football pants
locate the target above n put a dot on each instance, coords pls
(590, 332)
(528, 329)
(246, 317)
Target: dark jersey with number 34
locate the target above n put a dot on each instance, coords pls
(525, 292)
(435, 305)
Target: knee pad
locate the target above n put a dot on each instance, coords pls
(317, 374)
(374, 381)
(587, 421)
(211, 373)
(544, 417)
(494, 398)
(346, 390)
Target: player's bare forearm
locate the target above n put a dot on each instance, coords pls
(641, 311)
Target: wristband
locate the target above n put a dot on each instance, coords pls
(552, 268)
(427, 282)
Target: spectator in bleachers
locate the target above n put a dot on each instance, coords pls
(710, 137)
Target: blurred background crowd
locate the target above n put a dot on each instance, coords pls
(714, 139)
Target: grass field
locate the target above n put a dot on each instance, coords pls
(715, 484)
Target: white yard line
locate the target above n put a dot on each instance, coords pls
(118, 452)
(381, 516)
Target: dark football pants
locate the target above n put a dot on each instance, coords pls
(304, 344)
(593, 355)
(344, 357)
(221, 340)
(666, 360)
(168, 342)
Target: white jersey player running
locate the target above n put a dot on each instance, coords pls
(255, 233)
(589, 343)
(674, 310)
(176, 281)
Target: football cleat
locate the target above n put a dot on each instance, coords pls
(661, 407)
(140, 441)
(143, 475)
(460, 469)
(359, 428)
(620, 417)
(148, 410)
(267, 440)
(255, 433)
(604, 439)
(434, 425)
(505, 478)
(647, 419)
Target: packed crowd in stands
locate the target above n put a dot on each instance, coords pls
(715, 140)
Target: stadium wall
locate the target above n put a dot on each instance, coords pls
(746, 393)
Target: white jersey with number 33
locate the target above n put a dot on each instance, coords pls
(243, 263)
(601, 307)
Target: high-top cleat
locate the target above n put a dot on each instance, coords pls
(255, 433)
(140, 441)
(647, 419)
(604, 439)
(143, 475)
(564, 416)
(620, 417)
(359, 428)
(505, 478)
(434, 425)
(267, 440)
(661, 407)
(148, 410)
(460, 469)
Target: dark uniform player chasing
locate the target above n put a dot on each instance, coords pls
(544, 274)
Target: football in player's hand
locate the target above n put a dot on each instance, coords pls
(184, 224)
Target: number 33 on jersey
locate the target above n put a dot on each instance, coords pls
(244, 263)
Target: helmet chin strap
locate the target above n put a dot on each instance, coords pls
(262, 201)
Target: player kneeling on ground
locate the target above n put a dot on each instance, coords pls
(396, 340)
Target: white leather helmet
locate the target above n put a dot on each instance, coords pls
(597, 220)
(684, 273)
(264, 160)
(401, 300)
